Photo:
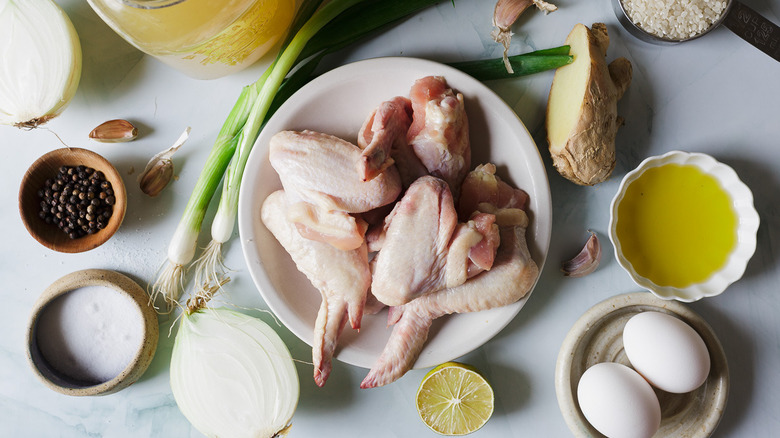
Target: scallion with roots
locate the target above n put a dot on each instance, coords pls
(181, 249)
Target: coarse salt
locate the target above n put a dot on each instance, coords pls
(90, 334)
(674, 19)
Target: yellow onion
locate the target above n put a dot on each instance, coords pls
(41, 64)
(232, 375)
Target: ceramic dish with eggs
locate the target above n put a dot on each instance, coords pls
(598, 338)
(337, 103)
(683, 226)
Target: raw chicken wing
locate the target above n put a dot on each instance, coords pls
(384, 143)
(414, 250)
(319, 170)
(423, 248)
(342, 277)
(511, 277)
(439, 133)
(481, 185)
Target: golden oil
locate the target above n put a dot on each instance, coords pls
(676, 225)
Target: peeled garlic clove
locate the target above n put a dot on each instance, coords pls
(159, 170)
(586, 261)
(114, 131)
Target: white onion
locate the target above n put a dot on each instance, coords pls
(41, 62)
(232, 376)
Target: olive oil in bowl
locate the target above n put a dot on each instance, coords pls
(676, 225)
(683, 226)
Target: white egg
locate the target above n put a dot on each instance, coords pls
(618, 402)
(666, 351)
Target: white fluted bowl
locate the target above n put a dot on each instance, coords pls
(747, 226)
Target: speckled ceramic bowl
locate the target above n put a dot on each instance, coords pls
(598, 337)
(747, 226)
(139, 302)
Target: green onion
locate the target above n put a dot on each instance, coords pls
(181, 249)
(525, 64)
(360, 20)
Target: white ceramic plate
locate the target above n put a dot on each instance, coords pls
(747, 226)
(337, 103)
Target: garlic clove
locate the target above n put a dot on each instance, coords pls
(586, 261)
(114, 131)
(159, 170)
(505, 14)
(157, 178)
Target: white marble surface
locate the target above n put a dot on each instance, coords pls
(716, 95)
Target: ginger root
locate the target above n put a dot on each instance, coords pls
(582, 119)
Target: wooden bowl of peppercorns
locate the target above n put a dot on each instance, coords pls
(72, 200)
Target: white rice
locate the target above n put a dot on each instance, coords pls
(674, 19)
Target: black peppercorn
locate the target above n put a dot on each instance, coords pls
(78, 200)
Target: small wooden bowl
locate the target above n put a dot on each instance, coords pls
(47, 167)
(138, 302)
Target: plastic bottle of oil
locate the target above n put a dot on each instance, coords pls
(204, 39)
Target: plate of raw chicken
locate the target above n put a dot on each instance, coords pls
(395, 213)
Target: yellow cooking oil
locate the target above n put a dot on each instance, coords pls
(676, 225)
(203, 38)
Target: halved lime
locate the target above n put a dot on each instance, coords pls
(454, 399)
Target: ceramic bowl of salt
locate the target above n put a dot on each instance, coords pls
(92, 332)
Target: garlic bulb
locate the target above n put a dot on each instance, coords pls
(232, 375)
(41, 62)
